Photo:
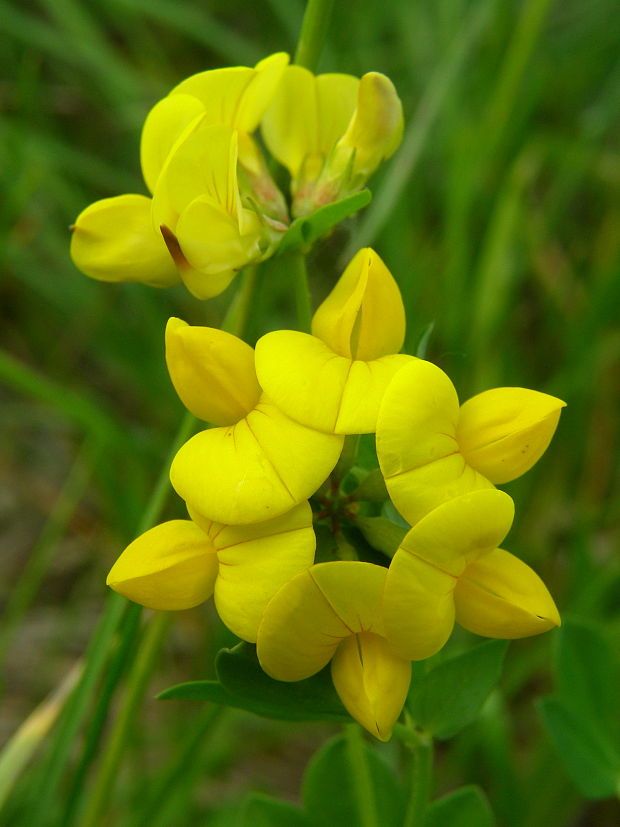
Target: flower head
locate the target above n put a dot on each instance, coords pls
(333, 611)
(331, 132)
(258, 463)
(334, 380)
(431, 449)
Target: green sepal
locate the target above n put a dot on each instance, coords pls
(303, 232)
(330, 794)
(381, 533)
(465, 807)
(449, 696)
(243, 684)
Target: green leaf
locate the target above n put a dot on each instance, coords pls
(372, 487)
(243, 684)
(260, 810)
(586, 670)
(451, 694)
(465, 807)
(303, 232)
(589, 758)
(329, 788)
(381, 533)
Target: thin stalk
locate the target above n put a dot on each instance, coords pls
(303, 302)
(313, 33)
(362, 779)
(421, 779)
(137, 681)
(236, 318)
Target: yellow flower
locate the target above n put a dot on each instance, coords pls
(180, 564)
(195, 143)
(334, 380)
(449, 568)
(258, 463)
(331, 132)
(333, 611)
(431, 450)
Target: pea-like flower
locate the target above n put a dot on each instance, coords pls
(333, 611)
(334, 380)
(431, 449)
(257, 463)
(449, 567)
(214, 207)
(181, 563)
(331, 132)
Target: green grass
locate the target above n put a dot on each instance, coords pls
(500, 219)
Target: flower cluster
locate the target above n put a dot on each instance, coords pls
(280, 414)
(214, 206)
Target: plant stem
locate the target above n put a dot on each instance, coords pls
(313, 33)
(362, 780)
(421, 779)
(236, 318)
(303, 302)
(136, 685)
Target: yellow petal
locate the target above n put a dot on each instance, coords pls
(501, 596)
(363, 317)
(372, 682)
(307, 116)
(204, 164)
(171, 566)
(461, 530)
(213, 242)
(212, 372)
(504, 431)
(416, 441)
(318, 388)
(376, 128)
(257, 560)
(168, 122)
(418, 608)
(114, 240)
(236, 96)
(254, 470)
(306, 620)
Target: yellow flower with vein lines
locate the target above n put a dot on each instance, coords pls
(257, 463)
(430, 449)
(449, 567)
(199, 226)
(334, 380)
(181, 563)
(333, 611)
(331, 132)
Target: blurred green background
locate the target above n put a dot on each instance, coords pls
(500, 219)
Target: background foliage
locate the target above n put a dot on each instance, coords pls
(500, 219)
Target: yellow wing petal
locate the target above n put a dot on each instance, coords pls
(212, 372)
(504, 431)
(257, 560)
(418, 607)
(318, 388)
(416, 441)
(461, 530)
(114, 240)
(372, 682)
(254, 470)
(501, 596)
(306, 620)
(171, 566)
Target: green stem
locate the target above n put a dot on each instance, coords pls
(421, 779)
(362, 779)
(303, 302)
(313, 33)
(137, 681)
(236, 318)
